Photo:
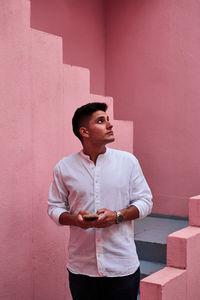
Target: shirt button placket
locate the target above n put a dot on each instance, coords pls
(97, 189)
(99, 254)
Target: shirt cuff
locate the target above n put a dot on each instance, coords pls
(56, 213)
(144, 208)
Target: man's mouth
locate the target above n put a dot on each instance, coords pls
(110, 133)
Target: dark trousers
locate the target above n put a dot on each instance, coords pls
(104, 288)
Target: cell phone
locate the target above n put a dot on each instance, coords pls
(90, 217)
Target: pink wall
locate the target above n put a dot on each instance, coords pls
(16, 276)
(152, 71)
(31, 93)
(38, 97)
(82, 26)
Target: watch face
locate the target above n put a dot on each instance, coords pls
(120, 217)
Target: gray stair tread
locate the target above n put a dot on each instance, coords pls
(156, 230)
(147, 267)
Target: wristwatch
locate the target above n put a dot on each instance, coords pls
(120, 217)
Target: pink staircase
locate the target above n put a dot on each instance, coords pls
(180, 280)
(38, 97)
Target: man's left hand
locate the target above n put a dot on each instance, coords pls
(107, 218)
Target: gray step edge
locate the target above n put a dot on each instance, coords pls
(147, 268)
(152, 252)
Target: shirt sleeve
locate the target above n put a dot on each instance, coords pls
(140, 194)
(58, 197)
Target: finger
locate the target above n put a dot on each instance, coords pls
(101, 211)
(102, 217)
(79, 216)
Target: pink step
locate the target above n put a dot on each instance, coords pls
(180, 280)
(183, 248)
(166, 284)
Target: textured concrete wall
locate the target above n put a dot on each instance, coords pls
(153, 67)
(16, 152)
(32, 138)
(38, 97)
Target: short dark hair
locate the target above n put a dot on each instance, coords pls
(83, 115)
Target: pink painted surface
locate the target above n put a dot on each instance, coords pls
(48, 146)
(82, 26)
(152, 71)
(180, 279)
(151, 68)
(194, 211)
(166, 284)
(16, 276)
(38, 97)
(183, 248)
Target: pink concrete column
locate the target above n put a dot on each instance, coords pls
(194, 211)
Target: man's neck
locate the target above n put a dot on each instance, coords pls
(93, 152)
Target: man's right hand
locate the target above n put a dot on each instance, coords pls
(80, 222)
(77, 220)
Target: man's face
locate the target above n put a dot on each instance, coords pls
(100, 129)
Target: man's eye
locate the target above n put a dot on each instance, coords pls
(100, 121)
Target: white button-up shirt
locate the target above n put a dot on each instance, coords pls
(115, 182)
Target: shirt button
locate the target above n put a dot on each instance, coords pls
(96, 196)
(96, 181)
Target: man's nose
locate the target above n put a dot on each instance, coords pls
(109, 125)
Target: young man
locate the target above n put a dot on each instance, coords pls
(103, 263)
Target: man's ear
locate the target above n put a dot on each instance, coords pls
(83, 132)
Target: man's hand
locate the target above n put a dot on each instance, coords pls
(76, 220)
(85, 224)
(107, 218)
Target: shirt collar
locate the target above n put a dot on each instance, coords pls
(101, 156)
